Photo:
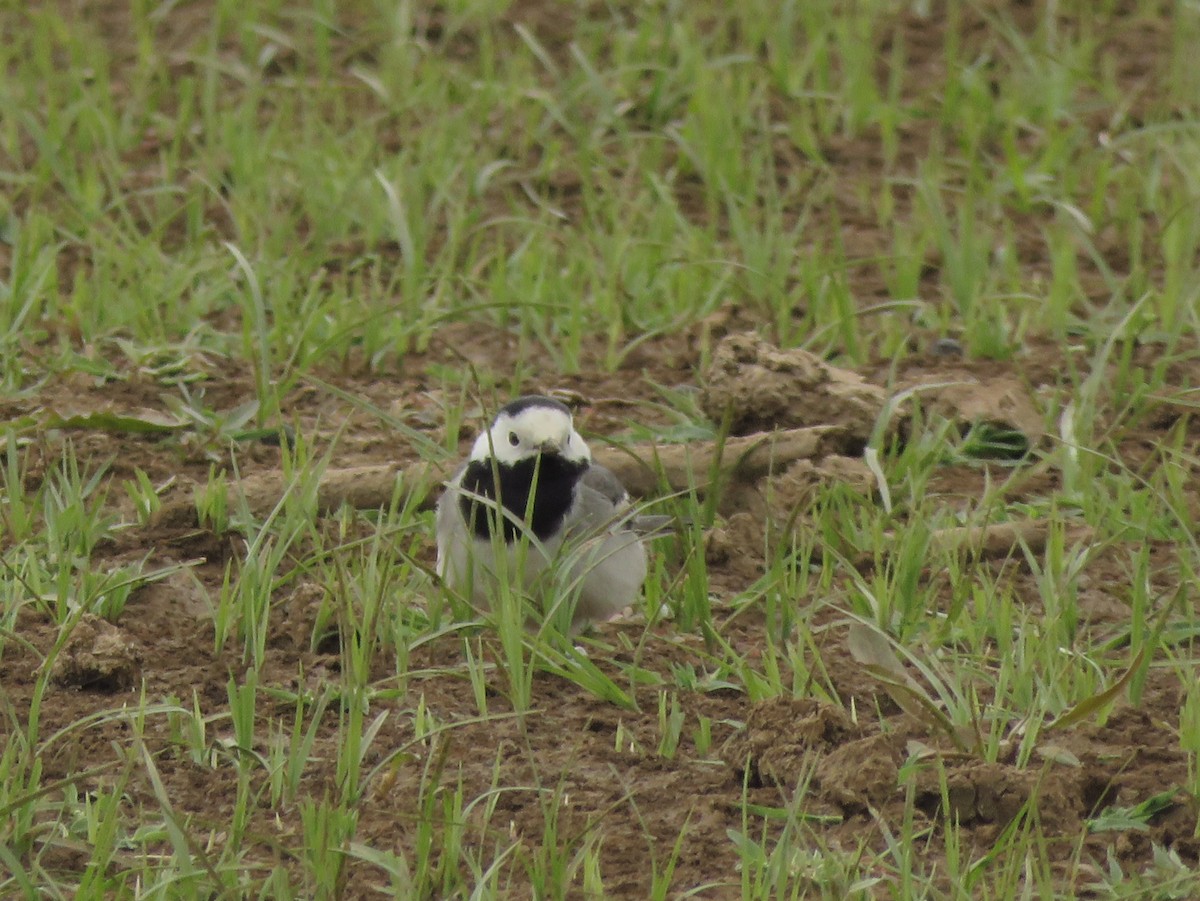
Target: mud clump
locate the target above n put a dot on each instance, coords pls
(1000, 403)
(861, 773)
(97, 657)
(783, 738)
(789, 742)
(736, 546)
(761, 387)
(798, 485)
(979, 793)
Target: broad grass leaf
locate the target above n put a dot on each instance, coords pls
(871, 648)
(1089, 706)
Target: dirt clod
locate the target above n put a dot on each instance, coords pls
(795, 488)
(97, 657)
(762, 387)
(999, 401)
(861, 773)
(784, 737)
(736, 545)
(978, 792)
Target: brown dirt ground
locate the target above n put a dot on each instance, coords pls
(638, 801)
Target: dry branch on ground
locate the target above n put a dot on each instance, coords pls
(643, 469)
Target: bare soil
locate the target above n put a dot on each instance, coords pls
(639, 801)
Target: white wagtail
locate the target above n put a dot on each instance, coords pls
(530, 483)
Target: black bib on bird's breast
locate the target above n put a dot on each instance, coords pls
(556, 481)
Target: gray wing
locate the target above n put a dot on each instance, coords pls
(604, 502)
(596, 510)
(605, 555)
(602, 480)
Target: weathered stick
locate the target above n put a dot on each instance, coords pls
(747, 458)
(998, 539)
(992, 541)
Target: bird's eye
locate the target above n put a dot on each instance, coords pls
(513, 439)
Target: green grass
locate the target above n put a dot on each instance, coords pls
(213, 212)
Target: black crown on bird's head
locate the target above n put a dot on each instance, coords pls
(528, 401)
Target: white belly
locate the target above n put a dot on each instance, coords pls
(599, 575)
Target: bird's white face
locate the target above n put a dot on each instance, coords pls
(533, 430)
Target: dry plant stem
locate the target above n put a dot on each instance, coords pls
(685, 465)
(750, 458)
(992, 541)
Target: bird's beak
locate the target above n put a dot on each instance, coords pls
(550, 446)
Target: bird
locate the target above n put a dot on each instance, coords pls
(530, 491)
